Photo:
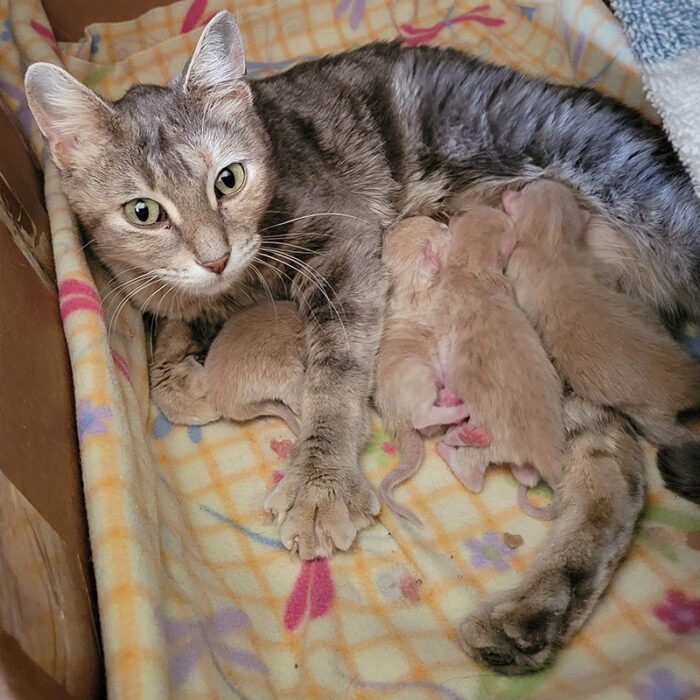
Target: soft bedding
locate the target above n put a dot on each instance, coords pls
(197, 596)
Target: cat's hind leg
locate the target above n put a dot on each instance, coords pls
(599, 498)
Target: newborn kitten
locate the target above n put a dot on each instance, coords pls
(409, 379)
(253, 368)
(494, 360)
(609, 349)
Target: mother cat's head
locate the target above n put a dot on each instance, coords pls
(170, 182)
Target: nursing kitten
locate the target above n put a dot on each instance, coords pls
(195, 192)
(606, 345)
(410, 379)
(253, 368)
(255, 365)
(493, 359)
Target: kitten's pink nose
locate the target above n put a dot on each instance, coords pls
(216, 266)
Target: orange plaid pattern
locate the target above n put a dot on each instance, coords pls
(197, 597)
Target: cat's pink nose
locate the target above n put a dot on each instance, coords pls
(216, 266)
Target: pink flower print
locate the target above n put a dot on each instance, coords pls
(313, 590)
(356, 11)
(91, 419)
(195, 17)
(680, 613)
(422, 35)
(189, 640)
(388, 448)
(75, 295)
(491, 550)
(281, 447)
(46, 33)
(663, 685)
(398, 585)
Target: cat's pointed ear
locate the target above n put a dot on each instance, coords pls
(71, 117)
(218, 62)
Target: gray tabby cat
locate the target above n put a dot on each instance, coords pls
(213, 191)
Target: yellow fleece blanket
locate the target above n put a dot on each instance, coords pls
(197, 597)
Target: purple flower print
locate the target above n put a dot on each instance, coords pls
(188, 640)
(91, 419)
(357, 7)
(663, 685)
(490, 550)
(6, 31)
(162, 427)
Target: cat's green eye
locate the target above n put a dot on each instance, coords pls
(229, 180)
(143, 212)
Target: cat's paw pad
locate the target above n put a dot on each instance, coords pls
(316, 517)
(515, 634)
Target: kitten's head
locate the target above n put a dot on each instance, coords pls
(170, 182)
(546, 210)
(414, 252)
(482, 238)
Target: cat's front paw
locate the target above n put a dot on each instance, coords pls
(316, 514)
(517, 631)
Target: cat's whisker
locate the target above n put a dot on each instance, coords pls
(263, 281)
(122, 304)
(300, 248)
(308, 273)
(126, 284)
(310, 216)
(154, 316)
(85, 245)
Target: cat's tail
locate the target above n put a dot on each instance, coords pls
(680, 469)
(410, 446)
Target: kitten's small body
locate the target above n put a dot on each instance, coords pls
(409, 375)
(252, 368)
(494, 360)
(606, 345)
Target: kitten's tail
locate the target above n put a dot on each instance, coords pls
(680, 469)
(410, 446)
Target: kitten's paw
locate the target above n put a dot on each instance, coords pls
(514, 632)
(317, 515)
(180, 391)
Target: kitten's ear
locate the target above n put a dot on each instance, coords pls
(511, 202)
(506, 245)
(71, 117)
(430, 262)
(218, 62)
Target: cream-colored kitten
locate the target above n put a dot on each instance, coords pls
(494, 360)
(609, 348)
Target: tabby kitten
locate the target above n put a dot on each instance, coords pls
(204, 194)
